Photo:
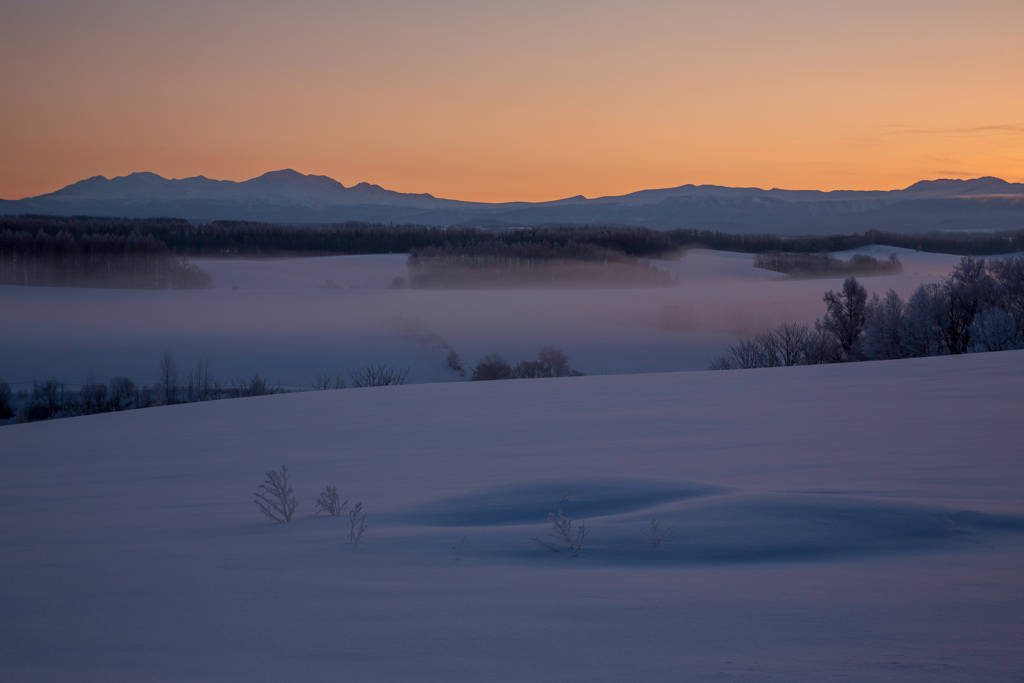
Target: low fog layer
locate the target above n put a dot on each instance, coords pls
(289, 319)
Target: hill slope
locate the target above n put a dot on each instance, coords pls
(828, 521)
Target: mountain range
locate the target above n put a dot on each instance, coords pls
(983, 204)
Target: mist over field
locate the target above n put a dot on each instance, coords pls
(289, 319)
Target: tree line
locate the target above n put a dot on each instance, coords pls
(825, 264)
(499, 264)
(978, 308)
(63, 259)
(244, 238)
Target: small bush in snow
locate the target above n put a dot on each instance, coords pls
(492, 367)
(326, 380)
(652, 533)
(276, 500)
(378, 376)
(357, 518)
(561, 529)
(329, 502)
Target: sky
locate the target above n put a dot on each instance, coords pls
(499, 101)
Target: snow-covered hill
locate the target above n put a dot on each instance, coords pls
(862, 521)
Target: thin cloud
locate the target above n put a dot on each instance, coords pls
(998, 129)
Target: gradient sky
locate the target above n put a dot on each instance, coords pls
(527, 100)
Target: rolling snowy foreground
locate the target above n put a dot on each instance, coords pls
(861, 522)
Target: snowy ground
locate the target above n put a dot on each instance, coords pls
(281, 323)
(861, 522)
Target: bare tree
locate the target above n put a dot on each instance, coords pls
(122, 391)
(357, 519)
(276, 500)
(48, 399)
(167, 384)
(884, 333)
(378, 376)
(926, 321)
(326, 380)
(970, 289)
(329, 502)
(92, 396)
(561, 529)
(652, 533)
(6, 412)
(844, 317)
(200, 384)
(788, 343)
(254, 386)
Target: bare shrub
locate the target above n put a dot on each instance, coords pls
(458, 548)
(492, 367)
(652, 533)
(326, 380)
(455, 363)
(48, 400)
(551, 362)
(378, 376)
(329, 502)
(565, 496)
(546, 545)
(357, 519)
(276, 500)
(254, 386)
(561, 529)
(122, 392)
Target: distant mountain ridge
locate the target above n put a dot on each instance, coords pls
(288, 196)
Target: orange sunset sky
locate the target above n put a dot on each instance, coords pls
(497, 101)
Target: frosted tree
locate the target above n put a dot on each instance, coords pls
(844, 317)
(884, 331)
(276, 498)
(329, 502)
(926, 320)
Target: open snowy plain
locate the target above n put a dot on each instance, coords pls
(859, 522)
(281, 322)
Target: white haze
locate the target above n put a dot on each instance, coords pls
(283, 323)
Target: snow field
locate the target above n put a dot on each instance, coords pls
(860, 521)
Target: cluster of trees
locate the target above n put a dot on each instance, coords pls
(824, 264)
(252, 239)
(967, 244)
(551, 362)
(979, 307)
(497, 264)
(63, 259)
